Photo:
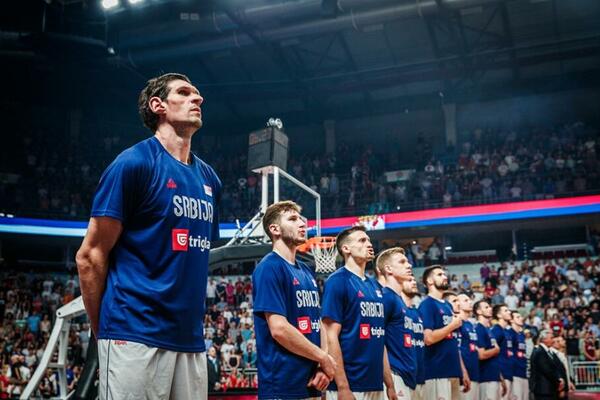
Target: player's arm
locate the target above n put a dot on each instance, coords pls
(92, 263)
(484, 354)
(387, 377)
(466, 380)
(294, 341)
(333, 329)
(432, 336)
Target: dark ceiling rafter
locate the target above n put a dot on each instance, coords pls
(273, 50)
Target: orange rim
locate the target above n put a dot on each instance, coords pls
(323, 242)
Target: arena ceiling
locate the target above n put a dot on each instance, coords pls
(314, 59)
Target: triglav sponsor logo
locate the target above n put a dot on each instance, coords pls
(182, 241)
(365, 331)
(304, 325)
(179, 238)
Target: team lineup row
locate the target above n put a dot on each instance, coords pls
(143, 269)
(371, 341)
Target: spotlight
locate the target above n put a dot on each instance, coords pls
(108, 4)
(135, 1)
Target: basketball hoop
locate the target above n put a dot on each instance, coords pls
(323, 250)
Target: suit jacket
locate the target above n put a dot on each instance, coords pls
(545, 374)
(562, 367)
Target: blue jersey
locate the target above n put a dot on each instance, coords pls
(504, 341)
(468, 349)
(519, 354)
(357, 304)
(291, 291)
(489, 370)
(441, 359)
(158, 269)
(419, 343)
(399, 328)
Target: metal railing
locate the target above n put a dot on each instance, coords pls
(586, 374)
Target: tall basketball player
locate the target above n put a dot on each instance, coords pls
(441, 356)
(491, 386)
(143, 264)
(353, 315)
(400, 320)
(503, 335)
(291, 363)
(520, 388)
(468, 346)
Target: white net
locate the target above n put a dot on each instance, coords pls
(325, 255)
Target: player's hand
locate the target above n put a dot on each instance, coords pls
(345, 394)
(466, 383)
(456, 322)
(571, 387)
(391, 393)
(503, 387)
(328, 365)
(319, 381)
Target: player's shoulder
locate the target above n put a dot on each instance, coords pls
(207, 170)
(271, 263)
(428, 302)
(140, 155)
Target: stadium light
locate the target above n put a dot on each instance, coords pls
(108, 4)
(135, 1)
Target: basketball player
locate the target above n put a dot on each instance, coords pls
(399, 290)
(452, 298)
(441, 356)
(143, 263)
(468, 346)
(354, 323)
(503, 337)
(491, 386)
(419, 343)
(287, 314)
(520, 388)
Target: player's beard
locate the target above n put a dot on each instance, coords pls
(290, 239)
(442, 286)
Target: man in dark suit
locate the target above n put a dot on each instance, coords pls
(548, 377)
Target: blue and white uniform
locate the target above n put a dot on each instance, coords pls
(489, 370)
(520, 387)
(442, 360)
(470, 356)
(420, 350)
(399, 342)
(505, 358)
(157, 273)
(357, 304)
(289, 290)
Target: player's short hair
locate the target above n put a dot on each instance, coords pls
(513, 312)
(448, 293)
(496, 309)
(428, 272)
(478, 305)
(342, 237)
(156, 87)
(384, 257)
(274, 212)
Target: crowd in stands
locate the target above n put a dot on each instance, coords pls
(28, 304)
(488, 165)
(563, 295)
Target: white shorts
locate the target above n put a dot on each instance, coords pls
(520, 388)
(132, 371)
(402, 391)
(472, 394)
(417, 394)
(333, 395)
(442, 389)
(489, 391)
